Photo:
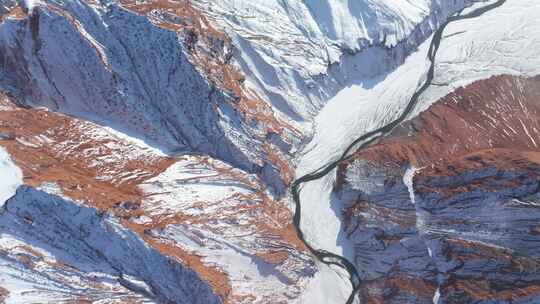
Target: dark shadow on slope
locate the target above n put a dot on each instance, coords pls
(90, 242)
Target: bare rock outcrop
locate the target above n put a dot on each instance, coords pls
(453, 217)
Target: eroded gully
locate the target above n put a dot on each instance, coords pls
(365, 140)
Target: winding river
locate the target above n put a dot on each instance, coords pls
(365, 140)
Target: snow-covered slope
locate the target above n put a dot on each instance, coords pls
(10, 177)
(74, 57)
(157, 139)
(469, 50)
(200, 212)
(461, 225)
(224, 215)
(481, 47)
(298, 54)
(54, 250)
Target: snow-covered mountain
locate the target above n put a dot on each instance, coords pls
(250, 151)
(299, 54)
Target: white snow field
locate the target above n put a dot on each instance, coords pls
(479, 48)
(10, 177)
(354, 111)
(471, 49)
(222, 207)
(297, 53)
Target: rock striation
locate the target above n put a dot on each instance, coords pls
(443, 209)
(148, 149)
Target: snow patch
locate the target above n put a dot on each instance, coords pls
(319, 221)
(180, 185)
(437, 296)
(478, 48)
(10, 177)
(408, 180)
(51, 188)
(31, 4)
(363, 176)
(326, 284)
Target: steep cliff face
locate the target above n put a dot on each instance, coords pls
(138, 105)
(74, 57)
(55, 250)
(197, 211)
(299, 54)
(444, 209)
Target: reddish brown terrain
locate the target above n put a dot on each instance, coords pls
(88, 164)
(211, 51)
(500, 112)
(184, 151)
(143, 187)
(471, 229)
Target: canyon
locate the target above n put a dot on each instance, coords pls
(231, 151)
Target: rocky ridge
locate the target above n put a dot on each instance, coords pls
(443, 209)
(170, 128)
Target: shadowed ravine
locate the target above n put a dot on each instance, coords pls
(365, 140)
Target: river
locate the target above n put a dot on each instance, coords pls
(364, 141)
